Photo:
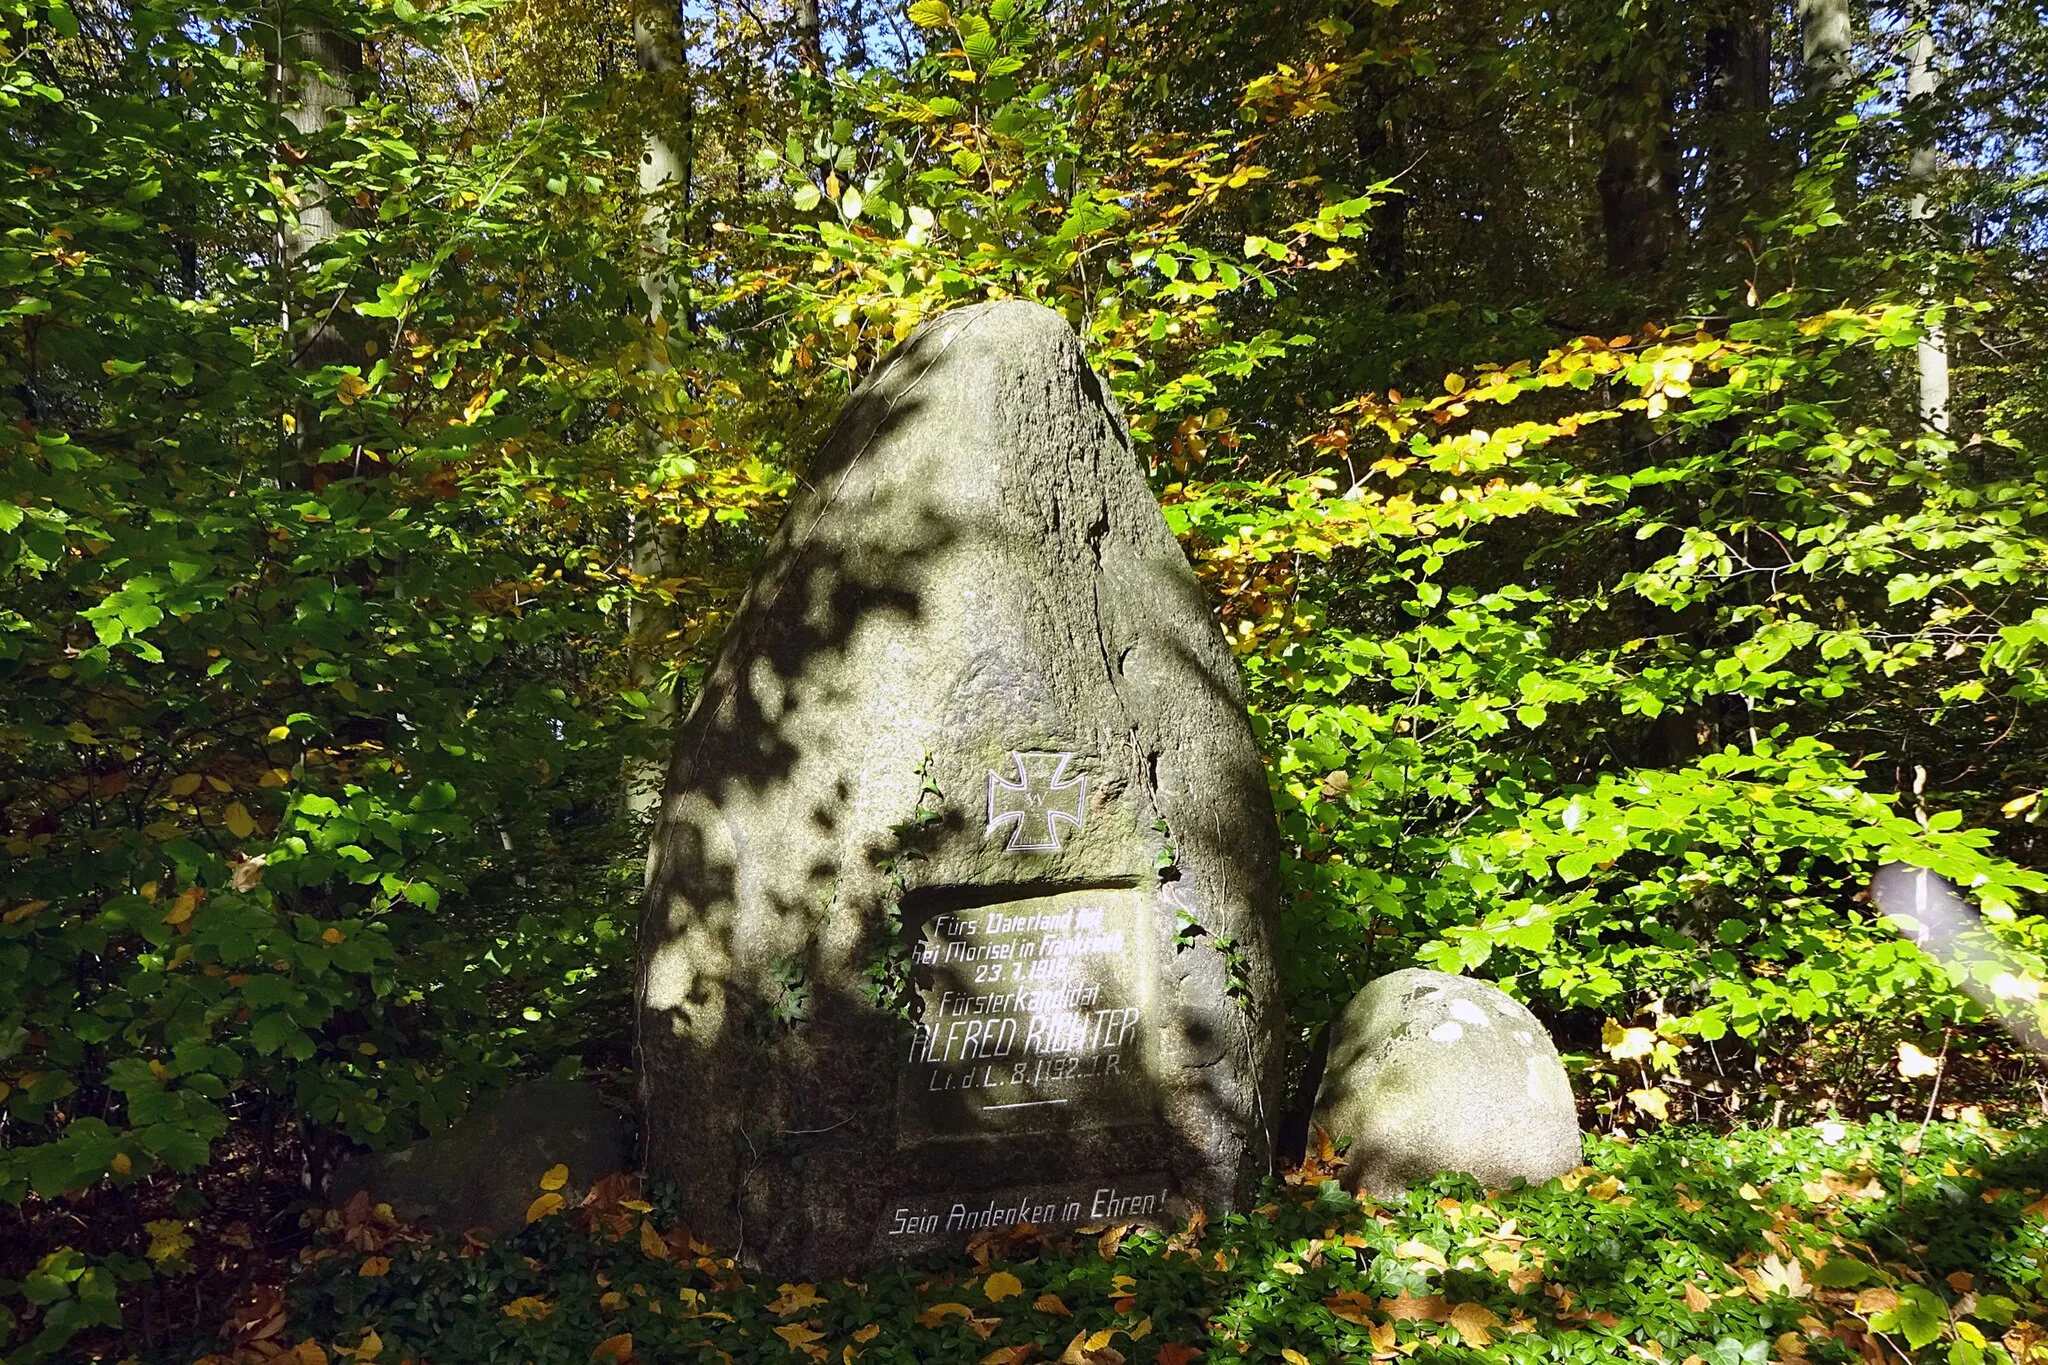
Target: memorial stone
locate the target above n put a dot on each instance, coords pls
(960, 899)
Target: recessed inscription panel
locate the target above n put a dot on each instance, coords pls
(1036, 1017)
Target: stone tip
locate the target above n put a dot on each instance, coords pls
(1012, 318)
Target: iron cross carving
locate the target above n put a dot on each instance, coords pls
(1037, 803)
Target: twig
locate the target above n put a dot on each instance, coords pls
(1940, 1070)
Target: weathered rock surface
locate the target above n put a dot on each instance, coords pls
(1429, 1072)
(483, 1171)
(960, 899)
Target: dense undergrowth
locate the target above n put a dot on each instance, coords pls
(1877, 1242)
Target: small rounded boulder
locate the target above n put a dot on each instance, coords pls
(1429, 1072)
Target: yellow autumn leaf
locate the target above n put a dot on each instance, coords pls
(1604, 1189)
(1652, 1101)
(182, 908)
(556, 1177)
(651, 1244)
(542, 1207)
(867, 1333)
(350, 388)
(794, 1298)
(238, 820)
(938, 1313)
(184, 784)
(22, 912)
(1697, 1300)
(120, 1165)
(618, 1348)
(1914, 1063)
(1475, 1324)
(1050, 1303)
(1292, 1356)
(332, 935)
(2019, 805)
(1085, 1349)
(1626, 1044)
(168, 1239)
(1002, 1285)
(369, 1347)
(373, 1266)
(1416, 1250)
(797, 1334)
(1350, 1305)
(1776, 1275)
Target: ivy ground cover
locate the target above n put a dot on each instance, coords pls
(1835, 1242)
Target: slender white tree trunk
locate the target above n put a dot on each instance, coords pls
(664, 168)
(1824, 38)
(1932, 352)
(313, 73)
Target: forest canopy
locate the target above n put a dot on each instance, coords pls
(1612, 436)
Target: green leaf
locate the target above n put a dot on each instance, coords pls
(1843, 1272)
(1920, 1317)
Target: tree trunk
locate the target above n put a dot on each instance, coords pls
(1932, 351)
(1380, 129)
(810, 47)
(665, 164)
(1638, 182)
(1738, 93)
(313, 75)
(1824, 31)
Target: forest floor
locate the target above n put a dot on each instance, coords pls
(1885, 1241)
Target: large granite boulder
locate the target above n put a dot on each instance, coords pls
(1429, 1072)
(483, 1171)
(960, 901)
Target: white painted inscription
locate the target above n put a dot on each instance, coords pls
(1035, 805)
(1036, 1005)
(1134, 1199)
